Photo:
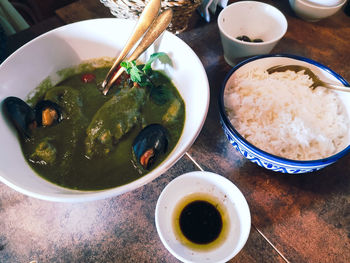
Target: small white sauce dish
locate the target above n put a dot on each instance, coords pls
(325, 2)
(313, 11)
(229, 196)
(254, 19)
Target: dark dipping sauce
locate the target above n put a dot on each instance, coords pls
(200, 222)
(80, 162)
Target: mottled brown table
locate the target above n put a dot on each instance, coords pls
(295, 218)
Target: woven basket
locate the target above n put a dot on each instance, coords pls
(131, 9)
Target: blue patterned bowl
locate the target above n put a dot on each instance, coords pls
(260, 157)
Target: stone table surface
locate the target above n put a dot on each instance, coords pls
(295, 218)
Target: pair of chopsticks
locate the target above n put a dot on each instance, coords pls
(155, 24)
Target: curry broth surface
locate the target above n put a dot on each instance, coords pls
(72, 169)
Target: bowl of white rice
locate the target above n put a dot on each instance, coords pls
(278, 122)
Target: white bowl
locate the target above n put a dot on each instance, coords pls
(259, 156)
(312, 12)
(214, 185)
(255, 20)
(325, 2)
(68, 46)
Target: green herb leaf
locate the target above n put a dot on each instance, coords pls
(142, 73)
(163, 57)
(127, 65)
(135, 74)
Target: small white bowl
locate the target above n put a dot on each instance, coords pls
(325, 2)
(69, 46)
(239, 220)
(312, 11)
(255, 20)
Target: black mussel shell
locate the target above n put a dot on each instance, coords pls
(53, 110)
(20, 114)
(149, 144)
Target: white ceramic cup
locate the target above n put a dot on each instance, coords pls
(230, 197)
(313, 11)
(255, 20)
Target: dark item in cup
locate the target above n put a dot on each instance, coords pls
(247, 39)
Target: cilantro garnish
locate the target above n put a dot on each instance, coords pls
(141, 74)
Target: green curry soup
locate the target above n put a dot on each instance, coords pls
(77, 153)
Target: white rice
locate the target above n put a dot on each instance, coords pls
(281, 115)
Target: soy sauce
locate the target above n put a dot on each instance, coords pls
(200, 221)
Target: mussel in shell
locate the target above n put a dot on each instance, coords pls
(149, 144)
(20, 114)
(47, 113)
(24, 118)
